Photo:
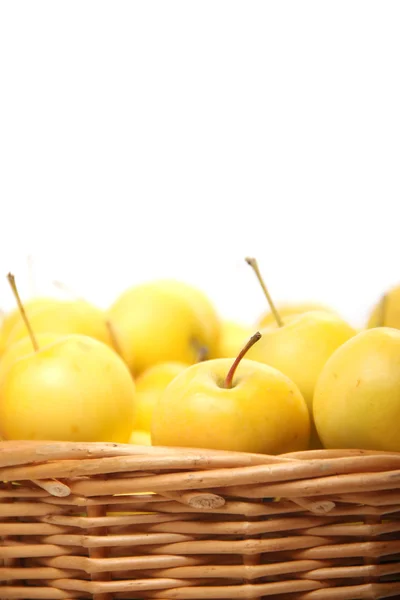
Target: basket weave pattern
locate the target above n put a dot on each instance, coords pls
(105, 521)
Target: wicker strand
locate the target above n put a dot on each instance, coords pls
(200, 500)
(53, 486)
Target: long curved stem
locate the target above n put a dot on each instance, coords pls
(229, 378)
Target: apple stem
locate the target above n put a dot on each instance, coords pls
(229, 378)
(11, 281)
(254, 265)
(201, 351)
(203, 354)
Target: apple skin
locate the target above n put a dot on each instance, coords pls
(290, 310)
(357, 396)
(263, 412)
(76, 389)
(140, 438)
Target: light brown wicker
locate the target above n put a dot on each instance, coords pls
(107, 521)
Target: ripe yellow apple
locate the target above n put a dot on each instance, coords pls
(233, 337)
(149, 387)
(24, 347)
(386, 313)
(140, 438)
(14, 317)
(155, 325)
(246, 407)
(75, 389)
(357, 396)
(301, 347)
(65, 317)
(290, 309)
(201, 304)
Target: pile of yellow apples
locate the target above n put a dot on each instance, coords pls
(161, 367)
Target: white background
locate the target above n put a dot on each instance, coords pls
(147, 139)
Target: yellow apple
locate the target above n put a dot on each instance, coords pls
(75, 389)
(246, 407)
(65, 317)
(149, 387)
(357, 396)
(155, 325)
(201, 304)
(233, 337)
(290, 309)
(386, 313)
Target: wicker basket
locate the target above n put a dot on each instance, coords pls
(107, 521)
